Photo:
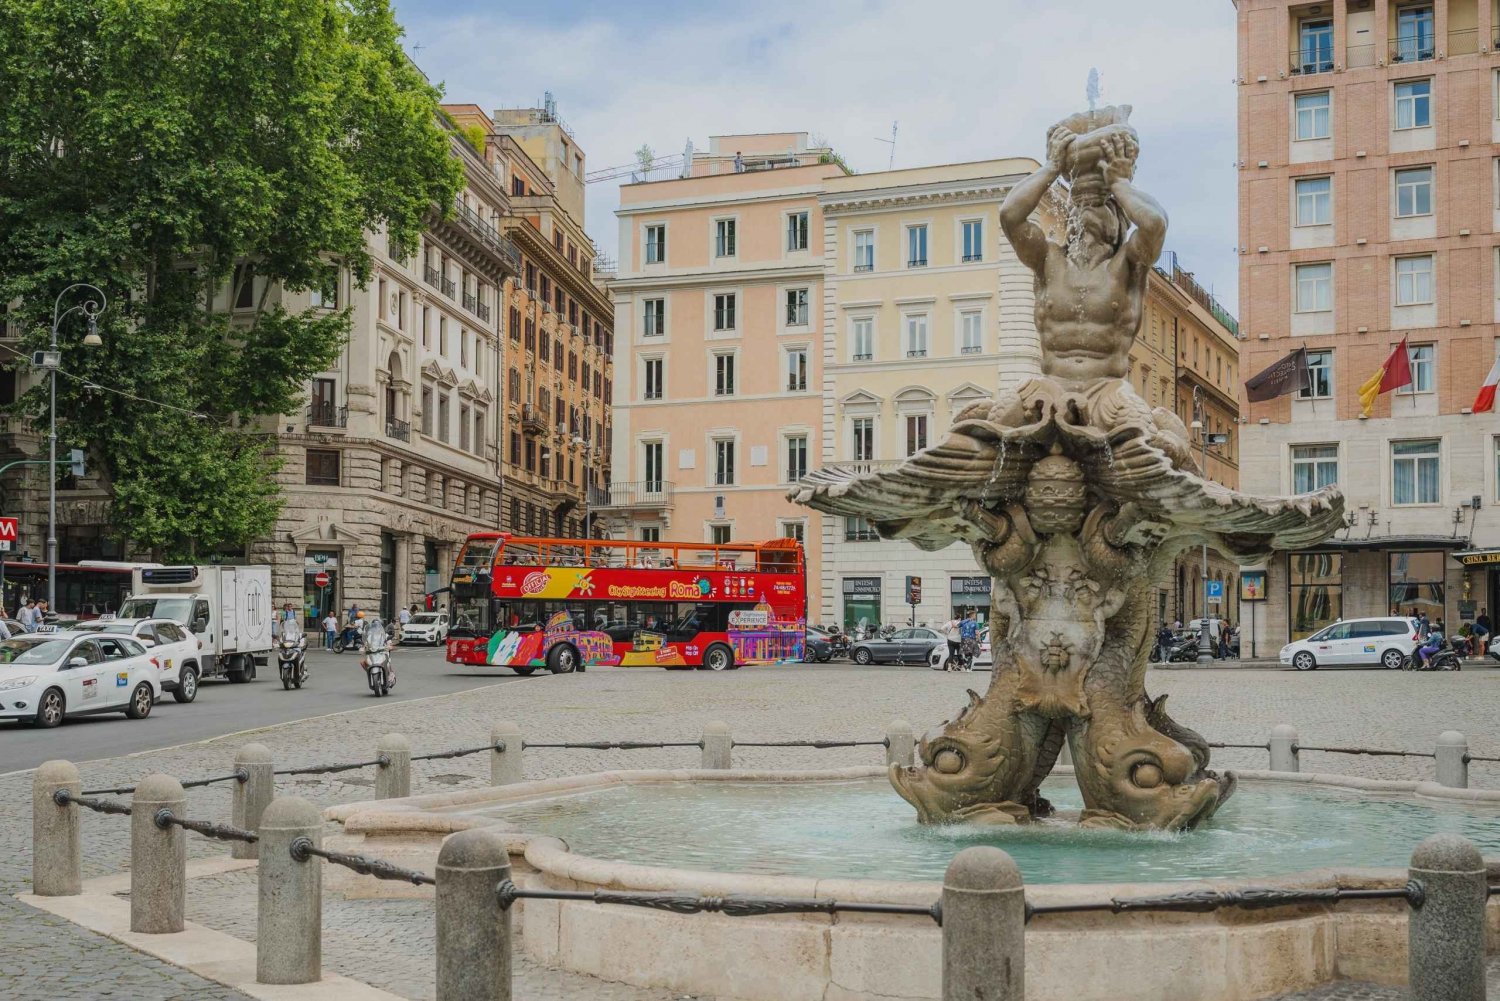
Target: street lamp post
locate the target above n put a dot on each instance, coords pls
(51, 359)
(1205, 649)
(587, 451)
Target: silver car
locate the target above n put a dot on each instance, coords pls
(904, 646)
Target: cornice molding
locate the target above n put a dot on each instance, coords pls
(883, 200)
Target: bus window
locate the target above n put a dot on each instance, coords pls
(477, 555)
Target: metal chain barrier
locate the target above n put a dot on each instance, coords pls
(498, 745)
(1373, 752)
(1247, 747)
(164, 818)
(1250, 898)
(819, 744)
(383, 761)
(303, 848)
(612, 745)
(736, 907)
(62, 798)
(239, 775)
(1478, 757)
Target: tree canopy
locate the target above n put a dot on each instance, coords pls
(150, 146)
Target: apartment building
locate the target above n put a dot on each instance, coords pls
(718, 409)
(1369, 205)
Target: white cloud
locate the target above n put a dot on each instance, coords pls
(966, 79)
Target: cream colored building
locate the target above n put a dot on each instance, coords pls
(718, 406)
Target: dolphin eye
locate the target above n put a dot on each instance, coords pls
(1146, 775)
(948, 761)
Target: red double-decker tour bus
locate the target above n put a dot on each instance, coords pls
(564, 604)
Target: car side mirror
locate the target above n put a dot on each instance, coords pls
(78, 662)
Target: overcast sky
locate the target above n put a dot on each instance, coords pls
(966, 80)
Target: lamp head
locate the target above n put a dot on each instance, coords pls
(92, 338)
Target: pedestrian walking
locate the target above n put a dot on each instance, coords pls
(1481, 631)
(403, 619)
(27, 616)
(1223, 639)
(330, 630)
(968, 631)
(953, 633)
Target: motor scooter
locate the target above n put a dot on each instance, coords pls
(838, 644)
(380, 673)
(1445, 658)
(350, 639)
(291, 654)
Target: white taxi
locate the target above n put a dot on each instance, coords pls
(1386, 641)
(426, 627)
(45, 677)
(176, 650)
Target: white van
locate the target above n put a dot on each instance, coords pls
(1385, 641)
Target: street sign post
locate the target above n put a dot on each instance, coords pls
(1213, 590)
(321, 579)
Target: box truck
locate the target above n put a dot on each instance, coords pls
(228, 608)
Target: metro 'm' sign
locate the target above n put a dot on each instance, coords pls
(7, 529)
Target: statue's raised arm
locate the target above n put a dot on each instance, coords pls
(1029, 239)
(1144, 246)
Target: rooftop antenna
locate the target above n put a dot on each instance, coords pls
(892, 141)
(417, 48)
(687, 159)
(1093, 88)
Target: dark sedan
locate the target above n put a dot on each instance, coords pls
(904, 646)
(818, 647)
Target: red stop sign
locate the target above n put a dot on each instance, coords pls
(321, 578)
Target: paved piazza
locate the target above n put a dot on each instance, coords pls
(388, 943)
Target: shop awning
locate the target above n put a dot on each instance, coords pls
(1395, 542)
(1478, 557)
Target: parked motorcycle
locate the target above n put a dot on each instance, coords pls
(350, 639)
(291, 654)
(1184, 648)
(380, 672)
(838, 644)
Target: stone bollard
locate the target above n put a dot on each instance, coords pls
(1283, 746)
(56, 847)
(473, 930)
(289, 926)
(1452, 756)
(716, 745)
(158, 857)
(505, 766)
(900, 743)
(1445, 936)
(252, 796)
(984, 928)
(393, 780)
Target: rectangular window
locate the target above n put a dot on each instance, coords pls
(651, 534)
(724, 311)
(724, 462)
(1319, 376)
(530, 456)
(794, 530)
(1314, 120)
(916, 433)
(1414, 34)
(322, 467)
(1420, 357)
(326, 296)
(1315, 54)
(464, 428)
(864, 250)
(864, 439)
(857, 529)
(719, 535)
(971, 332)
(1415, 471)
(724, 375)
(1314, 200)
(656, 244)
(796, 458)
(515, 454)
(655, 373)
(1414, 280)
(242, 287)
(1414, 104)
(863, 336)
(1314, 288)
(1315, 591)
(1417, 583)
(652, 465)
(1314, 467)
(655, 322)
(796, 231)
(796, 307)
(724, 237)
(442, 417)
(427, 414)
(796, 370)
(916, 336)
(973, 240)
(916, 246)
(1413, 192)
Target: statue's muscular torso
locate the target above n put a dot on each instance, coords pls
(1086, 325)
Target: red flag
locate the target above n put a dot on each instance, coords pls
(1397, 369)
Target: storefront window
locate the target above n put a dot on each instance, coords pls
(1417, 584)
(1316, 591)
(320, 565)
(970, 593)
(861, 602)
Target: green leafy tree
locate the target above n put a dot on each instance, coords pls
(150, 147)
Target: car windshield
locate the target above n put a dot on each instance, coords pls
(27, 651)
(176, 609)
(425, 619)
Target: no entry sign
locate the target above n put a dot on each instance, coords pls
(320, 579)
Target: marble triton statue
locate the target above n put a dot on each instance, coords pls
(1075, 496)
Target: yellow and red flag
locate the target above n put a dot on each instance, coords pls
(1395, 373)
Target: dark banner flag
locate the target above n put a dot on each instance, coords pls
(1289, 375)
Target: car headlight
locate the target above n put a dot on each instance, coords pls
(13, 683)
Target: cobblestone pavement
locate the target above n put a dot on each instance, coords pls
(1350, 991)
(1395, 710)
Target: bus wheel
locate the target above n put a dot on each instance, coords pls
(718, 658)
(562, 659)
(524, 672)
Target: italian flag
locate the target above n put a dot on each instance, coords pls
(1395, 373)
(1485, 401)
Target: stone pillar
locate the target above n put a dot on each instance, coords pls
(1445, 936)
(56, 845)
(393, 780)
(158, 857)
(289, 922)
(1283, 746)
(1452, 756)
(716, 745)
(473, 930)
(252, 796)
(505, 766)
(900, 743)
(984, 928)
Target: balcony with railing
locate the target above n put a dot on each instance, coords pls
(449, 287)
(862, 466)
(473, 305)
(399, 430)
(917, 262)
(1307, 60)
(866, 266)
(487, 235)
(1412, 48)
(864, 356)
(533, 420)
(325, 414)
(916, 353)
(433, 276)
(973, 349)
(640, 495)
(971, 258)
(1463, 42)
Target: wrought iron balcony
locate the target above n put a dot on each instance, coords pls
(971, 258)
(533, 420)
(433, 276)
(449, 287)
(643, 494)
(400, 430)
(864, 267)
(482, 310)
(1416, 48)
(1311, 59)
(973, 349)
(327, 415)
(866, 356)
(917, 262)
(487, 234)
(917, 353)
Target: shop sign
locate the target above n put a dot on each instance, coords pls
(862, 586)
(320, 561)
(1466, 610)
(969, 585)
(1479, 558)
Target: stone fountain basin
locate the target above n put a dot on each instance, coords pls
(1229, 955)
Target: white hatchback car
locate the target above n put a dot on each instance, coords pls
(176, 650)
(1386, 642)
(426, 627)
(45, 677)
